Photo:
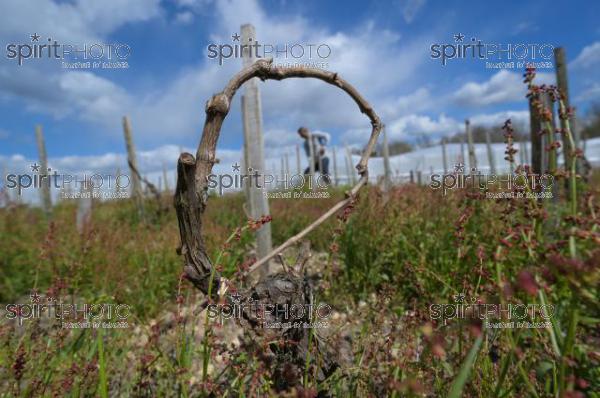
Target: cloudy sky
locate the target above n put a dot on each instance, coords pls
(383, 48)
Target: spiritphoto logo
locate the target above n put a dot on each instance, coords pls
(71, 315)
(521, 184)
(72, 56)
(285, 186)
(494, 316)
(496, 55)
(293, 54)
(271, 316)
(71, 186)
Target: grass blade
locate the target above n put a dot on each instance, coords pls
(465, 370)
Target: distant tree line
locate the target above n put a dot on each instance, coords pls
(396, 147)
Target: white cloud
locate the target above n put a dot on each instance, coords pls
(417, 101)
(177, 111)
(503, 87)
(46, 89)
(355, 55)
(294, 102)
(498, 119)
(588, 57)
(98, 99)
(76, 21)
(413, 126)
(408, 128)
(590, 93)
(280, 137)
(75, 93)
(174, 107)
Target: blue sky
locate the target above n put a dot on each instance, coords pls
(383, 48)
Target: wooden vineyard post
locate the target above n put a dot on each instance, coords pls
(335, 171)
(136, 184)
(298, 163)
(43, 170)
(577, 135)
(544, 156)
(351, 176)
(311, 159)
(245, 129)
(84, 207)
(444, 156)
(548, 140)
(521, 152)
(287, 164)
(145, 190)
(550, 136)
(348, 165)
(535, 137)
(282, 172)
(258, 204)
(117, 184)
(320, 163)
(165, 178)
(490, 153)
(471, 146)
(563, 87)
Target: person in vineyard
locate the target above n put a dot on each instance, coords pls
(320, 161)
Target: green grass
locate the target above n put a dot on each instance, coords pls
(398, 254)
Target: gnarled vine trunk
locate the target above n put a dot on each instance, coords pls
(191, 199)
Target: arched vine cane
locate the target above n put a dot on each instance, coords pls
(192, 185)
